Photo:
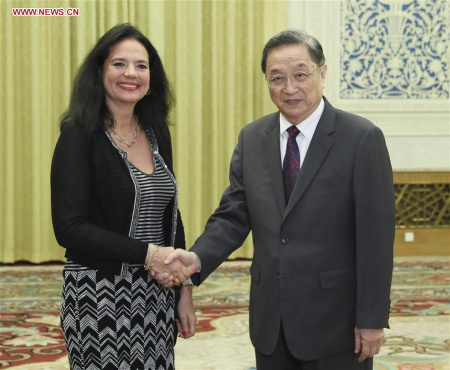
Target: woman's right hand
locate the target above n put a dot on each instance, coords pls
(179, 264)
(168, 275)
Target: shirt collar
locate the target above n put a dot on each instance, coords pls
(306, 127)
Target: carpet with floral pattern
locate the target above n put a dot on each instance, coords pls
(31, 338)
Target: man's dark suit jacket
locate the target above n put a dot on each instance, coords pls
(322, 264)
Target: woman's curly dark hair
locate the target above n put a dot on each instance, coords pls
(87, 108)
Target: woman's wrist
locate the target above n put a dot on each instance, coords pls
(151, 257)
(187, 289)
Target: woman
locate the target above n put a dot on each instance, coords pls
(114, 209)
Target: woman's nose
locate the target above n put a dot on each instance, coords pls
(130, 71)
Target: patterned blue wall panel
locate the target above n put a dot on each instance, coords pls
(394, 50)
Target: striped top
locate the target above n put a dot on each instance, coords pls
(156, 191)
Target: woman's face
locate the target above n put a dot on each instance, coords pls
(126, 74)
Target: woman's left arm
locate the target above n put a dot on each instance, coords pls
(187, 319)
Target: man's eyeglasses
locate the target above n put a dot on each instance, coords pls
(280, 80)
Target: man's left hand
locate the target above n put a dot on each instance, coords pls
(368, 342)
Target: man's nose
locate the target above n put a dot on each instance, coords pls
(290, 87)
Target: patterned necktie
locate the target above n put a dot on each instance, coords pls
(291, 162)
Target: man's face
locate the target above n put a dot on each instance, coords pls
(296, 100)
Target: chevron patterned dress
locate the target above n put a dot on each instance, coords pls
(124, 321)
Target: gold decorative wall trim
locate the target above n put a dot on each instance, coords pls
(422, 199)
(421, 177)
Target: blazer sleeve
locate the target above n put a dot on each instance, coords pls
(229, 225)
(71, 188)
(375, 228)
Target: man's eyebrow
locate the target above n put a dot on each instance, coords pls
(274, 70)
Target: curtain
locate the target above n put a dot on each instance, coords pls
(211, 51)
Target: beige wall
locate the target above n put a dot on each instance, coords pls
(417, 130)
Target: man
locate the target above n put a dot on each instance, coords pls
(314, 184)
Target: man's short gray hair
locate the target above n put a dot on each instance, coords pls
(294, 37)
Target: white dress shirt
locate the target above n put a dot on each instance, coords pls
(306, 128)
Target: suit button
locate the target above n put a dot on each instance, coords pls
(284, 241)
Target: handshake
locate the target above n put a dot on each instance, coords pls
(172, 267)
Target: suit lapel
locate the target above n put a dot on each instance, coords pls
(319, 147)
(272, 151)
